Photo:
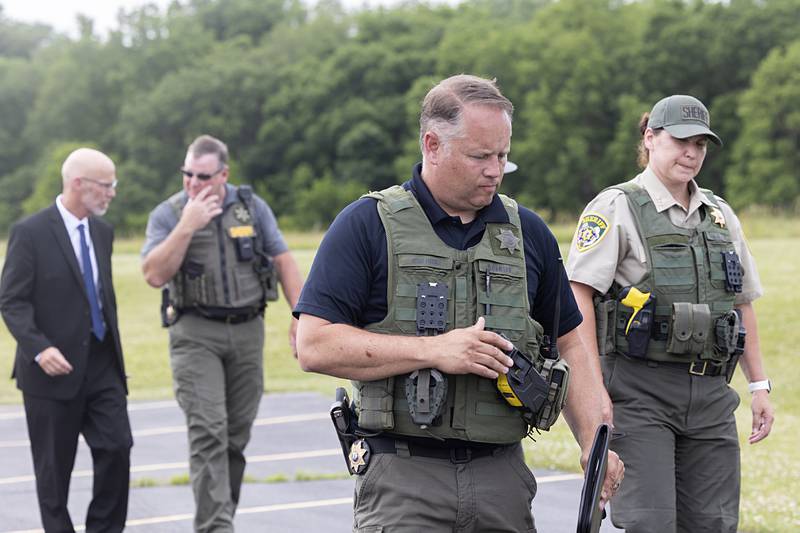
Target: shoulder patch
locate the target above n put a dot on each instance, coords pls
(591, 230)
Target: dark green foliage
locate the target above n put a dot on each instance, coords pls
(319, 105)
(321, 201)
(767, 158)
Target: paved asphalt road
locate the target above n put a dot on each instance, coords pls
(292, 440)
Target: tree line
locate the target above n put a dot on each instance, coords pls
(320, 104)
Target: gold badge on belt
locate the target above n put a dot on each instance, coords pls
(359, 457)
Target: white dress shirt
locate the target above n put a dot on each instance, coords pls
(72, 222)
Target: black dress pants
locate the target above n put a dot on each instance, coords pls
(100, 413)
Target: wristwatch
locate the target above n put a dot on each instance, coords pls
(759, 385)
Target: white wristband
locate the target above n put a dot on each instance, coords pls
(759, 385)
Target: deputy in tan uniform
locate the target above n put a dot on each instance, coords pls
(663, 276)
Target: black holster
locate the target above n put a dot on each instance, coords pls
(169, 314)
(343, 422)
(641, 330)
(730, 333)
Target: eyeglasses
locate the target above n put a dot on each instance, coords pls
(105, 184)
(202, 177)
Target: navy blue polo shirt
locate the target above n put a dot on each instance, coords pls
(347, 282)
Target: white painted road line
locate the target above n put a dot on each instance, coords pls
(147, 406)
(247, 510)
(294, 455)
(14, 443)
(557, 477)
(20, 413)
(291, 418)
(289, 456)
(169, 430)
(296, 505)
(184, 465)
(276, 507)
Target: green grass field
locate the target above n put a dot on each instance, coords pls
(770, 483)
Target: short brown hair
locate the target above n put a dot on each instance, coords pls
(206, 144)
(443, 105)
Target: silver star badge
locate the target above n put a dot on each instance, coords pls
(508, 240)
(241, 214)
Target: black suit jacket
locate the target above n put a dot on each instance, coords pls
(43, 300)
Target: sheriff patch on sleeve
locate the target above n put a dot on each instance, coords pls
(591, 230)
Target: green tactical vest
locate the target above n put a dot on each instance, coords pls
(474, 410)
(211, 274)
(684, 267)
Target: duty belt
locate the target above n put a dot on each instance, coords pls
(695, 368)
(455, 454)
(228, 318)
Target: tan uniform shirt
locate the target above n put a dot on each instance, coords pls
(607, 247)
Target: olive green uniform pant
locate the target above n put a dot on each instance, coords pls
(676, 434)
(217, 369)
(405, 494)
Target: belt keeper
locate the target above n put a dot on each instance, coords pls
(401, 448)
(456, 460)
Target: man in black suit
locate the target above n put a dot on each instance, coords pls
(57, 299)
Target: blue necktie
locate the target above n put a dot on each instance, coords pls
(98, 327)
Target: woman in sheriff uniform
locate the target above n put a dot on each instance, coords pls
(665, 282)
